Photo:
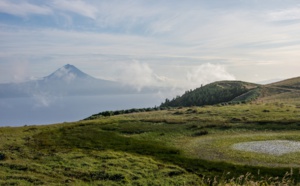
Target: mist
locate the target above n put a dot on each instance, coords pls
(205, 74)
(140, 75)
(45, 106)
(30, 111)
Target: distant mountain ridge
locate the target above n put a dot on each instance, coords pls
(67, 81)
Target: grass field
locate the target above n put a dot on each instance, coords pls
(182, 146)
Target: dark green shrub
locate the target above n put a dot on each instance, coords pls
(107, 113)
(201, 133)
(2, 156)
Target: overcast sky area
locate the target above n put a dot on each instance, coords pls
(149, 42)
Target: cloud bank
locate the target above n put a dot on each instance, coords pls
(243, 36)
(140, 75)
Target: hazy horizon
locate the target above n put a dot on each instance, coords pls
(205, 68)
(179, 43)
(58, 109)
(146, 43)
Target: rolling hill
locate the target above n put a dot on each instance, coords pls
(287, 91)
(215, 93)
(293, 83)
(224, 92)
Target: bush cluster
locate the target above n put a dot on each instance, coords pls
(127, 111)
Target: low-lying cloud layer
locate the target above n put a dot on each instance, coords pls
(136, 74)
(141, 75)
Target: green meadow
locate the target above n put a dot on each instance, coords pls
(174, 146)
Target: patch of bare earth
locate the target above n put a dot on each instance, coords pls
(272, 147)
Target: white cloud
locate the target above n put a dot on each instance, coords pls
(138, 75)
(285, 14)
(14, 70)
(206, 73)
(23, 8)
(76, 6)
(126, 16)
(42, 99)
(157, 32)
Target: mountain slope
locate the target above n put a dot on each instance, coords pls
(67, 80)
(67, 73)
(293, 83)
(214, 93)
(286, 91)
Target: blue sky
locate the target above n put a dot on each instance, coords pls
(150, 42)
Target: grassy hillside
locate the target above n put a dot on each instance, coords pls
(214, 93)
(228, 92)
(293, 83)
(287, 91)
(187, 146)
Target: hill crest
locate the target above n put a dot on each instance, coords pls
(213, 93)
(227, 92)
(293, 83)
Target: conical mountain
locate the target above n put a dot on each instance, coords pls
(65, 81)
(68, 73)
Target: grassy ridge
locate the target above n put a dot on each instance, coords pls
(232, 92)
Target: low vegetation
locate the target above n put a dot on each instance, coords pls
(178, 146)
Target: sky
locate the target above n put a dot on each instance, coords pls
(151, 42)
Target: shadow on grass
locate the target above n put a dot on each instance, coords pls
(91, 137)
